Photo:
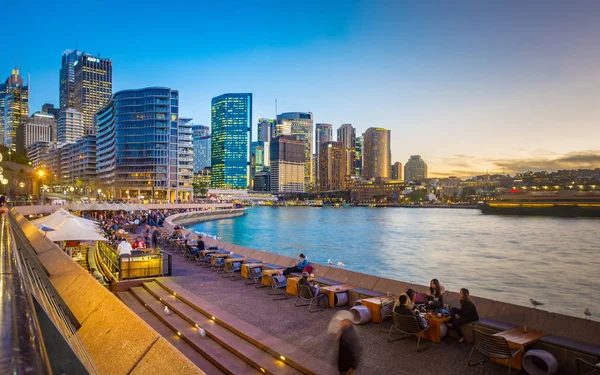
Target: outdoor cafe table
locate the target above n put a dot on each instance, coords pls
(246, 267)
(330, 291)
(518, 338)
(433, 334)
(268, 273)
(374, 305)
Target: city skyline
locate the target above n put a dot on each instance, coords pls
(492, 88)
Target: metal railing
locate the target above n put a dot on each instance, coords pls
(21, 343)
(57, 326)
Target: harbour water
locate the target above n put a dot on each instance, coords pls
(553, 260)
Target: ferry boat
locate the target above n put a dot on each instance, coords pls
(561, 203)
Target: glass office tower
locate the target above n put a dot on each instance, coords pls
(231, 126)
(138, 146)
(67, 78)
(201, 144)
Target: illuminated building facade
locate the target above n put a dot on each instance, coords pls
(323, 134)
(332, 166)
(287, 164)
(415, 169)
(14, 108)
(39, 127)
(376, 153)
(346, 135)
(397, 171)
(201, 147)
(266, 129)
(231, 126)
(138, 146)
(67, 78)
(379, 189)
(92, 87)
(301, 127)
(70, 126)
(358, 156)
(78, 164)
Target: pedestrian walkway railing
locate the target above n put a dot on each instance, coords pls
(126, 267)
(38, 332)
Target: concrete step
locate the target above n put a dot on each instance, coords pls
(219, 356)
(253, 355)
(295, 357)
(187, 350)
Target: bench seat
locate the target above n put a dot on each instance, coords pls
(272, 266)
(322, 280)
(576, 346)
(366, 292)
(493, 324)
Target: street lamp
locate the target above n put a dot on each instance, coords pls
(4, 182)
(41, 175)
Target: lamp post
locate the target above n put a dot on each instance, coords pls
(22, 186)
(41, 174)
(4, 182)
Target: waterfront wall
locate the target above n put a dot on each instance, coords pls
(119, 342)
(49, 208)
(186, 218)
(568, 327)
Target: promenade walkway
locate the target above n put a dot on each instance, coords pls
(308, 332)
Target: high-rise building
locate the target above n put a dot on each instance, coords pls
(346, 134)
(301, 127)
(358, 156)
(92, 87)
(201, 145)
(49, 109)
(39, 127)
(260, 156)
(67, 78)
(231, 126)
(139, 156)
(397, 171)
(287, 164)
(185, 157)
(415, 169)
(14, 108)
(266, 129)
(332, 166)
(78, 164)
(376, 153)
(36, 153)
(323, 134)
(70, 126)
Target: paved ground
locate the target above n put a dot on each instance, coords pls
(308, 330)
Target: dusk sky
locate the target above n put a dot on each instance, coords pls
(469, 85)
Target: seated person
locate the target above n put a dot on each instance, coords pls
(466, 314)
(435, 295)
(302, 262)
(314, 288)
(195, 252)
(176, 234)
(124, 247)
(200, 246)
(139, 243)
(404, 308)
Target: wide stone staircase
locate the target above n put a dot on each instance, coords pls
(231, 345)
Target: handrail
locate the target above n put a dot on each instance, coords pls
(21, 341)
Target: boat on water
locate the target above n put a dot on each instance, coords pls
(560, 203)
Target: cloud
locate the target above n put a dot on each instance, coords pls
(573, 160)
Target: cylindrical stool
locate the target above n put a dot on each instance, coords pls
(533, 357)
(341, 299)
(360, 314)
(443, 330)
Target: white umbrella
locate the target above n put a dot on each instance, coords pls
(73, 230)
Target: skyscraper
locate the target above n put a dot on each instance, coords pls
(231, 125)
(332, 166)
(358, 156)
(201, 145)
(39, 127)
(346, 134)
(185, 156)
(376, 153)
(287, 164)
(301, 127)
(67, 78)
(397, 171)
(70, 125)
(415, 169)
(92, 87)
(323, 134)
(266, 128)
(139, 156)
(14, 107)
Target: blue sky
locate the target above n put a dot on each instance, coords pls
(469, 85)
